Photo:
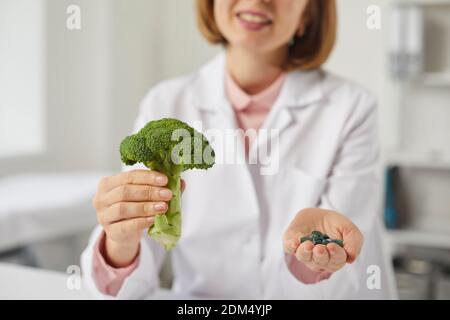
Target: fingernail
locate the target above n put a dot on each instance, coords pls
(160, 206)
(161, 180)
(165, 193)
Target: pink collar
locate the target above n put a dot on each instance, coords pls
(264, 99)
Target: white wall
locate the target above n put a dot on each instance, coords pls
(77, 92)
(79, 85)
(22, 65)
(183, 48)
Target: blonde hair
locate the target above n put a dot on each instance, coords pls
(310, 51)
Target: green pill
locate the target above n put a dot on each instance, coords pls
(318, 237)
(317, 233)
(306, 238)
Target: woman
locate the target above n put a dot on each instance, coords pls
(241, 228)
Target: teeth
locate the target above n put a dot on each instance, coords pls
(252, 18)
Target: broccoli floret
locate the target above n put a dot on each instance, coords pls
(169, 146)
(133, 149)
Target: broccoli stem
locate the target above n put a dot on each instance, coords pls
(167, 227)
(175, 186)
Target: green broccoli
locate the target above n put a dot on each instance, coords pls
(169, 146)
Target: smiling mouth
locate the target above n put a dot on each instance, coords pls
(253, 18)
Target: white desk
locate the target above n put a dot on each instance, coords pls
(24, 283)
(18, 282)
(39, 207)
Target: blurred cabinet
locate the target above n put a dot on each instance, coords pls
(443, 284)
(417, 197)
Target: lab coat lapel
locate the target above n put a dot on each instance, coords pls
(300, 90)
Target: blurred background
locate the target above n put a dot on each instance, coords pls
(68, 97)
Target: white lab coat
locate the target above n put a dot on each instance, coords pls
(234, 217)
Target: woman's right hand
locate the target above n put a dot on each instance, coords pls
(126, 205)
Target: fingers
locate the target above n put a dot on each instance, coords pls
(338, 257)
(128, 228)
(320, 256)
(183, 185)
(291, 239)
(129, 210)
(328, 258)
(138, 177)
(290, 245)
(353, 241)
(131, 193)
(305, 251)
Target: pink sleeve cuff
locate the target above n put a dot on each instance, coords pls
(302, 273)
(108, 279)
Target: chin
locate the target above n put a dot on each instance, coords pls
(251, 43)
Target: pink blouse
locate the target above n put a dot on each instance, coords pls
(251, 111)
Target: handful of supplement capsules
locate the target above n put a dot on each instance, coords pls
(318, 237)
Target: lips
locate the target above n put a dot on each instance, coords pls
(253, 20)
(254, 17)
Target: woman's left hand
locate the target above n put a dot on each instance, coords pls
(330, 257)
